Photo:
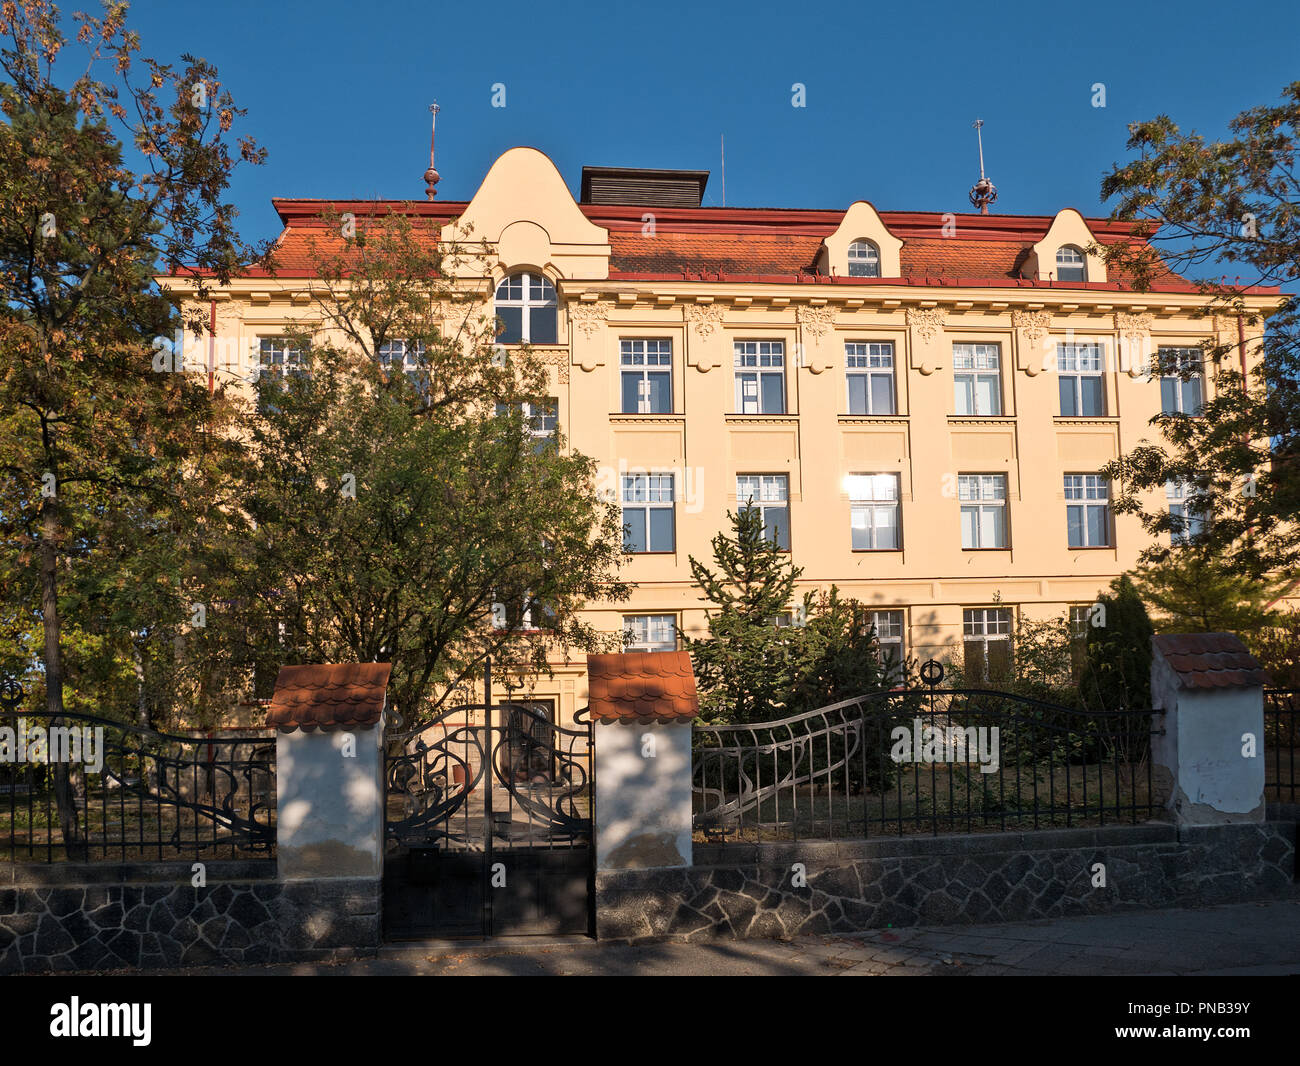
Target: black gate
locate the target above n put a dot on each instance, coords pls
(488, 824)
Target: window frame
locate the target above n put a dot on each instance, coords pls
(978, 350)
(984, 638)
(654, 482)
(527, 304)
(285, 369)
(1077, 266)
(649, 645)
(1192, 521)
(764, 504)
(1180, 355)
(758, 371)
(1086, 503)
(889, 641)
(981, 503)
(869, 263)
(643, 371)
(873, 504)
(1076, 373)
(869, 372)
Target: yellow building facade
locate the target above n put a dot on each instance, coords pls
(920, 402)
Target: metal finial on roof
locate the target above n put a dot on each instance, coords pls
(983, 192)
(431, 175)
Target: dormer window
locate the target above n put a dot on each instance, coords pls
(864, 260)
(525, 303)
(1070, 264)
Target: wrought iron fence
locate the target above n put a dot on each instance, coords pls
(85, 789)
(923, 760)
(1281, 740)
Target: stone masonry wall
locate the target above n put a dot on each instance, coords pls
(60, 918)
(741, 891)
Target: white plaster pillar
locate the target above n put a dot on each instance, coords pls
(1211, 756)
(643, 794)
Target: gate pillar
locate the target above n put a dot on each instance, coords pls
(329, 770)
(1210, 758)
(642, 704)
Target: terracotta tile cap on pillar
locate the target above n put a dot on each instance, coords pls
(1211, 660)
(643, 686)
(328, 696)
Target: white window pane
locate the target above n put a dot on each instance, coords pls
(963, 402)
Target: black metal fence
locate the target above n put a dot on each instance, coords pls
(923, 761)
(1281, 740)
(86, 789)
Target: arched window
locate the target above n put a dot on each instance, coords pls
(864, 260)
(526, 305)
(1070, 264)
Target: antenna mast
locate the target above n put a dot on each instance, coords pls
(431, 175)
(983, 192)
(723, 139)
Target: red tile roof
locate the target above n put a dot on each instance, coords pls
(1211, 660)
(328, 696)
(651, 686)
(747, 244)
(756, 245)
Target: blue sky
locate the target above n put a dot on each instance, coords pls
(338, 92)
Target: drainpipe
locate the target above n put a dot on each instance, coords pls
(212, 349)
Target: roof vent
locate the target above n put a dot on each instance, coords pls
(650, 188)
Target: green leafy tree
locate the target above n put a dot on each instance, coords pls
(1117, 664)
(1277, 647)
(1195, 592)
(400, 502)
(1210, 205)
(96, 448)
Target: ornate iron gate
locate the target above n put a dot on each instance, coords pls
(488, 824)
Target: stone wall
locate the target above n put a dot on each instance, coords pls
(64, 917)
(740, 891)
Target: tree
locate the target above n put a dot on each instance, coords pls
(1194, 592)
(89, 434)
(751, 668)
(1231, 203)
(747, 666)
(401, 500)
(1117, 664)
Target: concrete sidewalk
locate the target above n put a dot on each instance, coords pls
(1243, 938)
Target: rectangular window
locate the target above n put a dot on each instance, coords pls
(1188, 520)
(649, 632)
(770, 493)
(983, 510)
(876, 515)
(647, 376)
(977, 379)
(1182, 382)
(870, 369)
(760, 377)
(986, 637)
(524, 613)
(889, 635)
(1087, 511)
(277, 355)
(1080, 379)
(541, 420)
(648, 512)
